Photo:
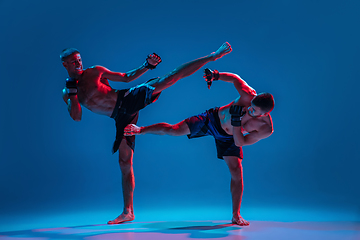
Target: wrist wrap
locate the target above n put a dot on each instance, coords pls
(216, 74)
(150, 66)
(236, 115)
(71, 86)
(211, 76)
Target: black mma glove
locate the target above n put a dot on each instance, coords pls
(71, 86)
(237, 114)
(211, 76)
(154, 57)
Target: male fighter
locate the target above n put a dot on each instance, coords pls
(242, 122)
(90, 88)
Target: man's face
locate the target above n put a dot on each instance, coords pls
(255, 111)
(73, 65)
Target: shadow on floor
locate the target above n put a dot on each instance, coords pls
(182, 230)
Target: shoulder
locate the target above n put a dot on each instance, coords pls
(98, 68)
(245, 88)
(93, 71)
(250, 91)
(243, 100)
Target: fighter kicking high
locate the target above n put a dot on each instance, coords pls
(242, 122)
(90, 88)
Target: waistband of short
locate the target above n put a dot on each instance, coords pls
(215, 114)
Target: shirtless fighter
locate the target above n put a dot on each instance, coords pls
(242, 122)
(90, 88)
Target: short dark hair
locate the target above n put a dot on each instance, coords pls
(265, 101)
(67, 52)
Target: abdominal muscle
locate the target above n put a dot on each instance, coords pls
(99, 98)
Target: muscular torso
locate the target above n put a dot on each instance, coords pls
(95, 93)
(248, 123)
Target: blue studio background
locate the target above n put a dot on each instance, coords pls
(304, 52)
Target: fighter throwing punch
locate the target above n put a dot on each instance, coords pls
(242, 122)
(90, 88)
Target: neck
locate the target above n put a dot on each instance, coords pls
(74, 75)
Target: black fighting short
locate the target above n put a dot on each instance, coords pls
(208, 124)
(126, 110)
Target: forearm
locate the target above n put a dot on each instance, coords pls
(151, 62)
(252, 137)
(238, 136)
(135, 73)
(121, 77)
(73, 106)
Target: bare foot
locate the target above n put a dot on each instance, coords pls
(240, 221)
(131, 129)
(122, 218)
(223, 50)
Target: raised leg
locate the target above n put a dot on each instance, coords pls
(236, 187)
(178, 129)
(187, 69)
(128, 183)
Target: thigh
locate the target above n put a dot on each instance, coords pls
(225, 146)
(181, 128)
(197, 126)
(162, 83)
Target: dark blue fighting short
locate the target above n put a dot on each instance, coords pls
(126, 110)
(208, 124)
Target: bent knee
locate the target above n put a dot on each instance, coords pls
(125, 165)
(235, 169)
(125, 161)
(237, 178)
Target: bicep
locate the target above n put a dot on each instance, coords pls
(113, 76)
(244, 89)
(73, 106)
(241, 86)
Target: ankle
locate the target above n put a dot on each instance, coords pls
(212, 56)
(128, 211)
(141, 130)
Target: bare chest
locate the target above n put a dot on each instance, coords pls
(96, 94)
(248, 123)
(91, 84)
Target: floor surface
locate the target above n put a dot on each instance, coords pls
(289, 225)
